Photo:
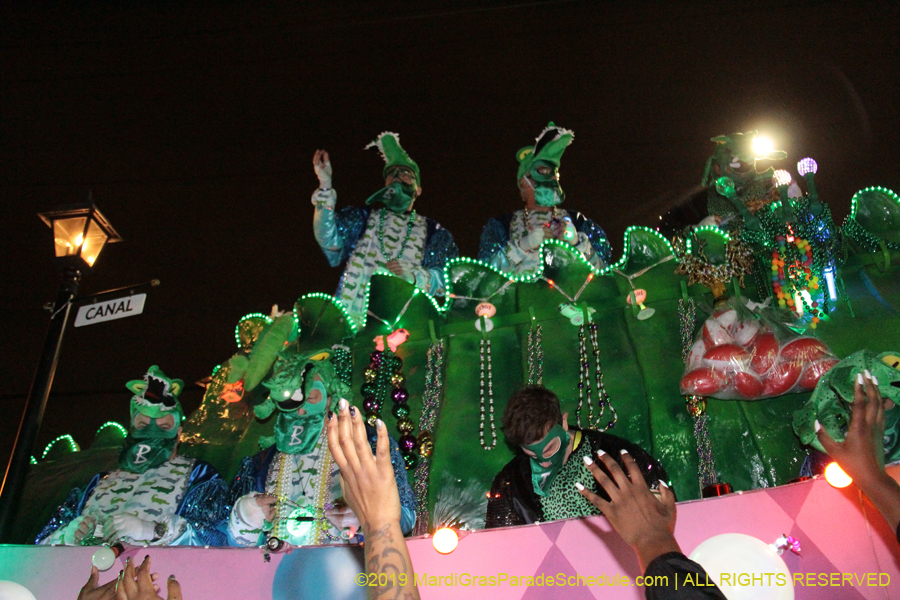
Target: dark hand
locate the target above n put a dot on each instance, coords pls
(645, 522)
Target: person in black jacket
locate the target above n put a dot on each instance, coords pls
(538, 484)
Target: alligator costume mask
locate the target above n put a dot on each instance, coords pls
(155, 397)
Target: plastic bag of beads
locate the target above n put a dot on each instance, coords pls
(749, 352)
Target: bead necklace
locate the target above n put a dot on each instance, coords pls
(535, 355)
(431, 405)
(687, 314)
(409, 227)
(485, 350)
(584, 381)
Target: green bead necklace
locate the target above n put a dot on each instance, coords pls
(409, 226)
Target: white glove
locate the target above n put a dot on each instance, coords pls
(533, 240)
(249, 511)
(324, 198)
(129, 526)
(78, 529)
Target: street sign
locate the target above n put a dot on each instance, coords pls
(110, 310)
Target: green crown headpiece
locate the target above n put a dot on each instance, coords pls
(388, 143)
(293, 372)
(549, 146)
(156, 395)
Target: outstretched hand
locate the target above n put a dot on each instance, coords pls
(861, 454)
(368, 483)
(645, 522)
(132, 584)
(322, 167)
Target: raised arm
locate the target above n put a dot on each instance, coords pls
(371, 491)
(861, 454)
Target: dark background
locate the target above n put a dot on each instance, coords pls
(194, 128)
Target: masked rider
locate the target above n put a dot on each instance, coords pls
(538, 484)
(392, 238)
(511, 243)
(290, 492)
(155, 497)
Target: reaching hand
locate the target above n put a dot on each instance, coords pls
(90, 591)
(861, 454)
(139, 584)
(130, 585)
(322, 166)
(367, 481)
(646, 522)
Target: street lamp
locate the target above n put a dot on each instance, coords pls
(80, 232)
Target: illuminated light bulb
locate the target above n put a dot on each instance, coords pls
(836, 477)
(445, 540)
(782, 177)
(762, 146)
(829, 279)
(79, 239)
(91, 259)
(807, 165)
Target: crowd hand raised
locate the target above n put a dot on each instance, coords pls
(140, 584)
(322, 166)
(130, 526)
(861, 454)
(91, 591)
(645, 522)
(367, 481)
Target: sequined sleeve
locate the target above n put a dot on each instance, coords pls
(407, 497)
(439, 249)
(494, 238)
(68, 510)
(350, 222)
(205, 505)
(598, 240)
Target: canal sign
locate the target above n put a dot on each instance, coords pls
(110, 310)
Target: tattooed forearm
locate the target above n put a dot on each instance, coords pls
(389, 565)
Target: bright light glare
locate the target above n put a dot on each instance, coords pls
(835, 475)
(79, 239)
(782, 177)
(762, 146)
(829, 279)
(445, 540)
(807, 165)
(91, 259)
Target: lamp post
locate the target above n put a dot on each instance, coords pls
(80, 232)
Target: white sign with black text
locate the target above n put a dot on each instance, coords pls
(110, 310)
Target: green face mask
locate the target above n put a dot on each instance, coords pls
(138, 455)
(541, 476)
(396, 197)
(295, 434)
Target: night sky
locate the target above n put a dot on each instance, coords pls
(195, 127)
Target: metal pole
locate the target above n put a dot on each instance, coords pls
(17, 469)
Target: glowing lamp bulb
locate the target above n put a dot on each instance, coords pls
(835, 476)
(762, 146)
(782, 177)
(807, 165)
(445, 540)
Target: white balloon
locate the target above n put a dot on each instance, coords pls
(10, 590)
(740, 557)
(103, 558)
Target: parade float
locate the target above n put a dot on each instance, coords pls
(661, 348)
